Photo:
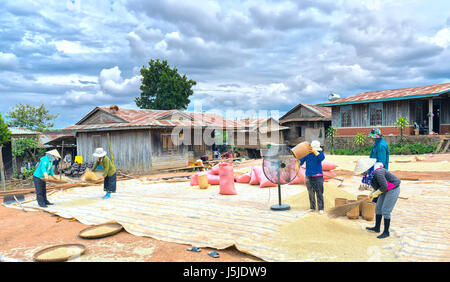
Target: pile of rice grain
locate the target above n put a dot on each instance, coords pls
(330, 192)
(321, 238)
(99, 230)
(60, 253)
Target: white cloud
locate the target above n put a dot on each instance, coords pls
(112, 82)
(8, 61)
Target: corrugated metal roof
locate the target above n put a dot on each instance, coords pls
(392, 94)
(22, 131)
(323, 112)
(155, 118)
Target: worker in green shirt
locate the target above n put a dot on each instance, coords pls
(109, 171)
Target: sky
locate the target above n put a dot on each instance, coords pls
(262, 55)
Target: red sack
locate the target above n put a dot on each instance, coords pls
(327, 165)
(300, 178)
(226, 176)
(328, 174)
(194, 180)
(255, 178)
(245, 178)
(213, 179)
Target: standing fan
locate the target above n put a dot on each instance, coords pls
(279, 167)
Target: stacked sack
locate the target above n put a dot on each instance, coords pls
(77, 170)
(220, 174)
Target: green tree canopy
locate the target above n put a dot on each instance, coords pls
(163, 88)
(5, 134)
(31, 117)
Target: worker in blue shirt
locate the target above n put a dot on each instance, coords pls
(43, 172)
(314, 176)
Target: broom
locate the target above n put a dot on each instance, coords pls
(344, 209)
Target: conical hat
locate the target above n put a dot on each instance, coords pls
(363, 164)
(54, 153)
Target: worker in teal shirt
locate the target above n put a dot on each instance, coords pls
(380, 150)
(43, 171)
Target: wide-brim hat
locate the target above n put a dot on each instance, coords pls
(316, 145)
(375, 133)
(99, 152)
(363, 164)
(54, 153)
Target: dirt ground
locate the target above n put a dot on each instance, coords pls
(24, 233)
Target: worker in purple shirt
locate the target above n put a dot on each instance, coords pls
(314, 176)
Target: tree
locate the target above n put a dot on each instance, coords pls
(402, 123)
(31, 117)
(5, 136)
(331, 131)
(163, 88)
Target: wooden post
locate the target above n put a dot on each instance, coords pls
(430, 116)
(2, 171)
(61, 160)
(14, 146)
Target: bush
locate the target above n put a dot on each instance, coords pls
(394, 149)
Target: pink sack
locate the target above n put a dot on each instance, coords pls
(327, 165)
(213, 179)
(215, 169)
(255, 178)
(300, 178)
(194, 180)
(328, 174)
(245, 178)
(264, 182)
(226, 176)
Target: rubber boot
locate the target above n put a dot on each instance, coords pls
(376, 228)
(385, 233)
(107, 196)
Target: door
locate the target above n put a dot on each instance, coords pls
(436, 116)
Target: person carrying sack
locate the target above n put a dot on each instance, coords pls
(43, 172)
(314, 176)
(386, 187)
(109, 171)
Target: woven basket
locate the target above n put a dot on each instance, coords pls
(340, 202)
(353, 213)
(117, 229)
(81, 247)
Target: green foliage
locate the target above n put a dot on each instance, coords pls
(402, 123)
(27, 148)
(31, 117)
(360, 140)
(394, 149)
(28, 173)
(163, 88)
(5, 134)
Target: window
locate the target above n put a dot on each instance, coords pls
(167, 143)
(376, 113)
(96, 141)
(299, 131)
(346, 116)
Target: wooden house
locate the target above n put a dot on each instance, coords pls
(306, 123)
(146, 140)
(427, 107)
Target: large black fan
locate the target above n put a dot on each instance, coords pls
(280, 167)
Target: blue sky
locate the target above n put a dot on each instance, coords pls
(249, 55)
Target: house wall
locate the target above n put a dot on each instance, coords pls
(311, 130)
(445, 115)
(7, 159)
(101, 117)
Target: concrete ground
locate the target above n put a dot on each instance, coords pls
(421, 221)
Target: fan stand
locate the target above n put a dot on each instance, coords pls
(280, 207)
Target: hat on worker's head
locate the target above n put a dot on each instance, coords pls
(363, 164)
(99, 153)
(316, 145)
(375, 133)
(54, 153)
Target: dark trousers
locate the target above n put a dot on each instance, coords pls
(41, 191)
(109, 184)
(315, 187)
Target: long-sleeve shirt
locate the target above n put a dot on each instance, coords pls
(45, 166)
(108, 167)
(380, 151)
(384, 180)
(313, 163)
